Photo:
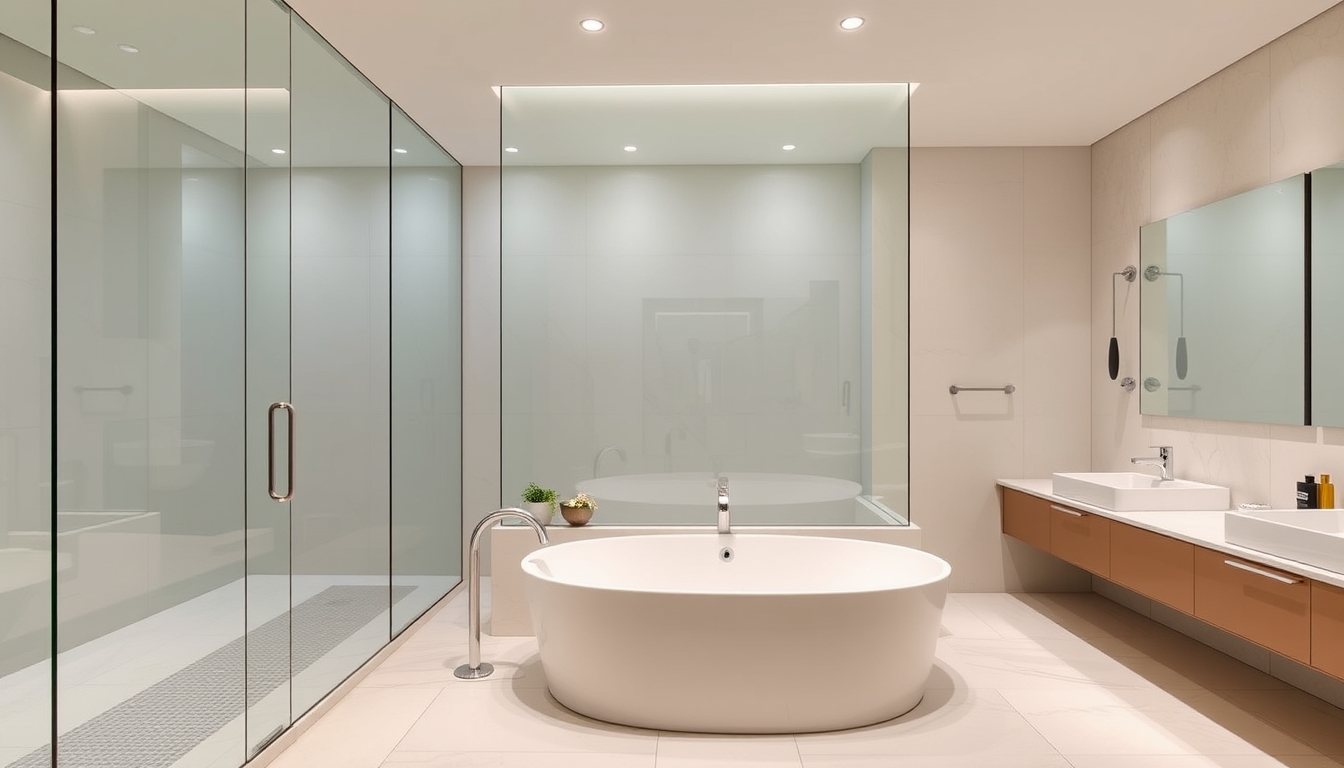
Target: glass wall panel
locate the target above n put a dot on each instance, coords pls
(149, 386)
(25, 384)
(702, 281)
(268, 535)
(426, 370)
(340, 356)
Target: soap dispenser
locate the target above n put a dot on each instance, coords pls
(1308, 493)
(1326, 496)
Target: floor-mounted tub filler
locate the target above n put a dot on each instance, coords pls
(736, 633)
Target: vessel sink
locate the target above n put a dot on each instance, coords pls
(1311, 536)
(1133, 492)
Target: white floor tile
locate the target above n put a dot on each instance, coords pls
(1148, 722)
(1202, 761)
(502, 718)
(676, 750)
(963, 722)
(516, 760)
(360, 731)
(936, 761)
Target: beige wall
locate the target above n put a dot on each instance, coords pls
(1275, 113)
(999, 242)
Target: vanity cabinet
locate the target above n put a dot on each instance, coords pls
(1026, 518)
(1081, 538)
(1156, 566)
(1327, 628)
(1267, 606)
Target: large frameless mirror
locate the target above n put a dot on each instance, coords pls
(1223, 309)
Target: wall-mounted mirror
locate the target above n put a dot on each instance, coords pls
(1223, 309)
(1327, 295)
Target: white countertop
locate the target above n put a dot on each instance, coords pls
(1201, 528)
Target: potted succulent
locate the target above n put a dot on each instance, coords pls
(578, 510)
(540, 502)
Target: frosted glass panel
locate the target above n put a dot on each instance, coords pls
(426, 370)
(1223, 309)
(340, 303)
(25, 394)
(684, 297)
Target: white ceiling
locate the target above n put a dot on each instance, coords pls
(701, 124)
(991, 72)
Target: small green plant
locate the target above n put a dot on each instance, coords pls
(535, 494)
(581, 500)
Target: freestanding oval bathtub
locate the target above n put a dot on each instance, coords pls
(736, 633)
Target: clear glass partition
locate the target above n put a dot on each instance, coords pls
(25, 394)
(149, 386)
(221, 244)
(426, 370)
(702, 281)
(340, 303)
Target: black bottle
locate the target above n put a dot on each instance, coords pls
(1308, 493)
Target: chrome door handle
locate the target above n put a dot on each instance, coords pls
(1068, 511)
(270, 451)
(1261, 572)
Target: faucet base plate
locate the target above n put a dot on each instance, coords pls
(467, 672)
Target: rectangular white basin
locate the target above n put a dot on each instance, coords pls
(1135, 492)
(1311, 536)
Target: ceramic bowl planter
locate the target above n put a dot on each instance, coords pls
(576, 515)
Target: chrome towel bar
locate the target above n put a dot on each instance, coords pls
(1006, 389)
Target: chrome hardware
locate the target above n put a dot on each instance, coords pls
(270, 451)
(598, 458)
(1006, 389)
(724, 523)
(1261, 572)
(1068, 511)
(1151, 384)
(1163, 461)
(1127, 383)
(726, 555)
(475, 670)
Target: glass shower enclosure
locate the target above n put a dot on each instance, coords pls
(230, 403)
(704, 281)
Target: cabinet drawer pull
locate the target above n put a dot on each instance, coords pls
(1261, 572)
(1068, 511)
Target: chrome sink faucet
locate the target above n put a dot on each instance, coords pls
(724, 524)
(1163, 461)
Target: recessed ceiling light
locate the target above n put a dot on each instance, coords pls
(592, 25)
(853, 22)
(630, 147)
(510, 149)
(278, 151)
(128, 48)
(789, 147)
(399, 150)
(86, 30)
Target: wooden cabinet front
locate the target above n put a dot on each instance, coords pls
(1026, 518)
(1081, 538)
(1262, 604)
(1156, 566)
(1327, 628)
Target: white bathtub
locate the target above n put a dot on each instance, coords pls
(790, 634)
(687, 498)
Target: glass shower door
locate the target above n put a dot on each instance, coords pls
(269, 438)
(149, 392)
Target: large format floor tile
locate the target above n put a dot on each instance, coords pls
(1019, 681)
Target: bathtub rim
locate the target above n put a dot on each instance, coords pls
(530, 570)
